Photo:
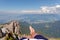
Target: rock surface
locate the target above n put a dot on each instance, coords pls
(1, 33)
(13, 27)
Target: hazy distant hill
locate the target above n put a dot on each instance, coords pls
(31, 18)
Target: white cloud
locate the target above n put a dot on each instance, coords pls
(43, 9)
(48, 9)
(30, 11)
(58, 6)
(51, 9)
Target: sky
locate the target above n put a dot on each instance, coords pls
(30, 6)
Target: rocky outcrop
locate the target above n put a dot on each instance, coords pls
(1, 33)
(13, 27)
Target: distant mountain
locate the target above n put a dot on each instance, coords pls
(30, 18)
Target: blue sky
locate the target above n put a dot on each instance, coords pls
(25, 5)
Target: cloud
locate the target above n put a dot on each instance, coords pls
(51, 9)
(30, 11)
(43, 9)
(57, 6)
(47, 9)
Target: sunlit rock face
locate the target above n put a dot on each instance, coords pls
(13, 27)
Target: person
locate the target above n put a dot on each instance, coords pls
(34, 35)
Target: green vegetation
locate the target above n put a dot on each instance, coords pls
(54, 38)
(52, 29)
(9, 38)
